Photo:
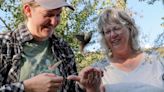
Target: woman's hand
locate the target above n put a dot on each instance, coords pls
(45, 82)
(88, 78)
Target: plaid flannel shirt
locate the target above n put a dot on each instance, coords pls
(10, 60)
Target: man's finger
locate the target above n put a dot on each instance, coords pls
(50, 75)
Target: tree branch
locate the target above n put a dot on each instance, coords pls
(3, 21)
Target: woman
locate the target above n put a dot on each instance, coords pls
(127, 68)
(34, 59)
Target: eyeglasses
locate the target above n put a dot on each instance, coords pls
(115, 29)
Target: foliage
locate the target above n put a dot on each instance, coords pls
(121, 4)
(149, 1)
(90, 58)
(82, 19)
(161, 51)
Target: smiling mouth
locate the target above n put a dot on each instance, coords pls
(47, 27)
(116, 42)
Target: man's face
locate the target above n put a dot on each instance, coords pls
(43, 22)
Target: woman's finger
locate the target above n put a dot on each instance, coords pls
(74, 77)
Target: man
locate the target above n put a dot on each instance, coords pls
(33, 59)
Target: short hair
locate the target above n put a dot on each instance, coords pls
(110, 15)
(31, 4)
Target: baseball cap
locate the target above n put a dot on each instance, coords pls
(51, 4)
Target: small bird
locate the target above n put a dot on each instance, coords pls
(83, 38)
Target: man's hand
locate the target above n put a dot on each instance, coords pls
(45, 82)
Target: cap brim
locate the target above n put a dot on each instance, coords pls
(55, 5)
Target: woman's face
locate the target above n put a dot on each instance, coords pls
(43, 22)
(117, 37)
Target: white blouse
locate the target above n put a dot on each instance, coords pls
(147, 77)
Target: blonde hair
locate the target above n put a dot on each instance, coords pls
(110, 15)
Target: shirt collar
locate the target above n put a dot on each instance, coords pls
(23, 33)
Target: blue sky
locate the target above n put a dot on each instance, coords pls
(149, 24)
